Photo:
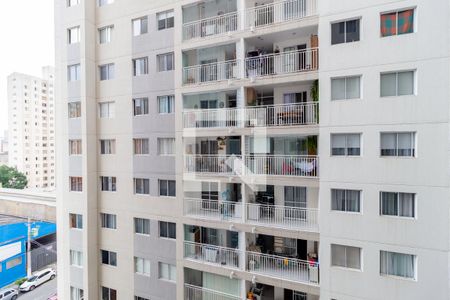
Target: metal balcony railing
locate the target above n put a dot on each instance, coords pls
(222, 256)
(216, 25)
(212, 72)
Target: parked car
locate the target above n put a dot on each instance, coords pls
(37, 279)
(9, 294)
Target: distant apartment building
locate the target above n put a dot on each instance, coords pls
(31, 127)
(262, 150)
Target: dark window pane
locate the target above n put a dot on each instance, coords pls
(352, 30)
(172, 230)
(172, 188)
(337, 33)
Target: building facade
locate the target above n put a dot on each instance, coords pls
(241, 149)
(31, 123)
(4, 149)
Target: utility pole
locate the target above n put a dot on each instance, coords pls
(29, 248)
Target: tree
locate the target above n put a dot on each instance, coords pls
(11, 178)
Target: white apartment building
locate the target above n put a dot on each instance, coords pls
(241, 149)
(31, 134)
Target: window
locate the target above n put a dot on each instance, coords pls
(346, 88)
(346, 256)
(166, 104)
(142, 266)
(167, 230)
(76, 293)
(107, 293)
(73, 72)
(397, 84)
(166, 146)
(76, 221)
(142, 226)
(345, 32)
(104, 2)
(398, 22)
(140, 66)
(76, 184)
(108, 183)
(167, 188)
(346, 144)
(167, 271)
(397, 204)
(165, 19)
(13, 262)
(104, 34)
(109, 221)
(165, 62)
(140, 26)
(398, 144)
(106, 109)
(73, 35)
(142, 186)
(109, 258)
(141, 146)
(106, 72)
(107, 146)
(74, 109)
(71, 3)
(140, 106)
(75, 147)
(76, 258)
(398, 264)
(346, 200)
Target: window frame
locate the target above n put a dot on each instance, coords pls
(108, 221)
(142, 31)
(77, 109)
(108, 34)
(76, 258)
(111, 258)
(141, 146)
(135, 65)
(414, 82)
(76, 73)
(413, 143)
(169, 104)
(144, 224)
(162, 58)
(143, 262)
(111, 112)
(345, 21)
(75, 221)
(75, 147)
(107, 146)
(110, 71)
(397, 11)
(346, 149)
(77, 182)
(144, 186)
(345, 90)
(166, 17)
(346, 201)
(162, 143)
(70, 35)
(167, 183)
(387, 274)
(164, 230)
(108, 184)
(145, 108)
(398, 205)
(172, 272)
(346, 257)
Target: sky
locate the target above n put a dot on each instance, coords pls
(27, 43)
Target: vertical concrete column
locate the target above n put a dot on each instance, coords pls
(241, 14)
(242, 247)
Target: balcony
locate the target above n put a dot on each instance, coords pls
(254, 164)
(295, 114)
(209, 19)
(213, 209)
(283, 267)
(192, 292)
(283, 216)
(212, 72)
(272, 64)
(287, 62)
(211, 26)
(211, 254)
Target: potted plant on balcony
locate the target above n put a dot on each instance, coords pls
(315, 98)
(311, 145)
